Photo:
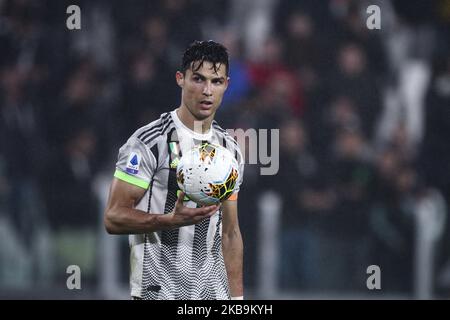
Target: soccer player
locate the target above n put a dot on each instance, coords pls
(178, 249)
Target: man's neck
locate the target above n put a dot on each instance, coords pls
(188, 119)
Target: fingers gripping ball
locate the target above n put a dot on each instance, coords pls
(207, 174)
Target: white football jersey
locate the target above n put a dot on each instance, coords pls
(184, 263)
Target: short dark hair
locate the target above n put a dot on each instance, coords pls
(202, 51)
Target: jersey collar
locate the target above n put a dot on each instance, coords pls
(196, 135)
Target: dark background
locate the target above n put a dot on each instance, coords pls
(364, 120)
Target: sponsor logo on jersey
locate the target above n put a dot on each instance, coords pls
(133, 163)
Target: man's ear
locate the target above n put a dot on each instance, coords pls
(227, 82)
(180, 78)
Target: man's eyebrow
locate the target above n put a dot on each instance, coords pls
(199, 75)
(204, 78)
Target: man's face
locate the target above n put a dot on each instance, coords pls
(203, 89)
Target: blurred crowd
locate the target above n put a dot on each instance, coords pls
(364, 119)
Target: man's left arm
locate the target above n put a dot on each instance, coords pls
(232, 247)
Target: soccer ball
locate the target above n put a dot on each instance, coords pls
(207, 174)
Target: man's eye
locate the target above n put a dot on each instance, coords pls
(197, 79)
(218, 81)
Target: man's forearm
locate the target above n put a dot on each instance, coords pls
(132, 221)
(232, 247)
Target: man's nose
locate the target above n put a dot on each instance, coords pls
(207, 89)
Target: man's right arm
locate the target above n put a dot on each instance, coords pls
(121, 217)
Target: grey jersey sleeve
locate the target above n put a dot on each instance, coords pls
(136, 164)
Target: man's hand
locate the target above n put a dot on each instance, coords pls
(184, 216)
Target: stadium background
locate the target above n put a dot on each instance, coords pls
(364, 119)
